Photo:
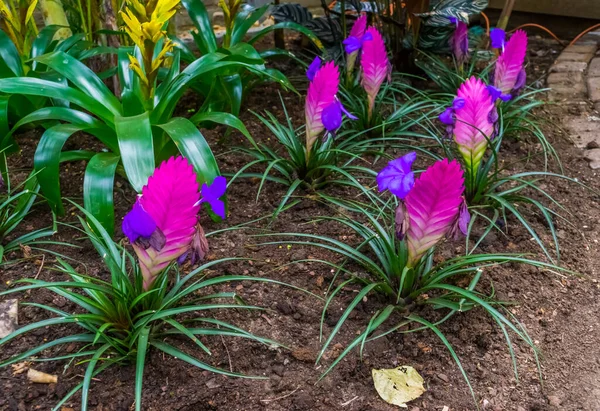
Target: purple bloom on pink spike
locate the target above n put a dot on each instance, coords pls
(331, 116)
(321, 94)
(510, 63)
(459, 42)
(313, 68)
(498, 38)
(171, 200)
(212, 194)
(138, 223)
(473, 127)
(397, 176)
(433, 207)
(447, 117)
(497, 94)
(375, 66)
(352, 44)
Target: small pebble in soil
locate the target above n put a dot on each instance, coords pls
(444, 378)
(554, 400)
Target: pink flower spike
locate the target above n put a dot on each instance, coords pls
(359, 27)
(171, 198)
(433, 207)
(473, 125)
(510, 62)
(375, 65)
(459, 42)
(321, 93)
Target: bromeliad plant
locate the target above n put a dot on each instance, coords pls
(144, 304)
(474, 123)
(321, 158)
(138, 129)
(395, 260)
(231, 87)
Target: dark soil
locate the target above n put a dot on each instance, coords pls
(559, 312)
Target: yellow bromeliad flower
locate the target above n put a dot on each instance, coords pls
(17, 25)
(144, 23)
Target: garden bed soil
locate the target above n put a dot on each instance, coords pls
(559, 312)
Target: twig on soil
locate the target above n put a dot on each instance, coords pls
(41, 267)
(228, 356)
(282, 397)
(350, 401)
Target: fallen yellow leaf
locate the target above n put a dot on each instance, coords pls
(398, 386)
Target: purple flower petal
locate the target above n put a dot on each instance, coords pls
(397, 176)
(313, 68)
(458, 103)
(496, 93)
(138, 223)
(352, 44)
(520, 82)
(331, 116)
(347, 113)
(212, 195)
(497, 37)
(367, 37)
(447, 116)
(464, 218)
(453, 20)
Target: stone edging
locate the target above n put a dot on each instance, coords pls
(575, 78)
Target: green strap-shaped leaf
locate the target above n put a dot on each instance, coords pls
(137, 149)
(193, 146)
(44, 88)
(76, 117)
(83, 78)
(226, 119)
(10, 63)
(205, 38)
(245, 21)
(42, 42)
(98, 188)
(234, 89)
(46, 162)
(290, 25)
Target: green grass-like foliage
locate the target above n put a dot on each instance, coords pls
(120, 321)
(496, 192)
(15, 205)
(331, 161)
(377, 266)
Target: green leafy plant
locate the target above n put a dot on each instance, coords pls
(144, 304)
(394, 259)
(494, 192)
(137, 130)
(234, 83)
(15, 206)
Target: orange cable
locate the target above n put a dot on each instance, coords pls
(540, 27)
(584, 32)
(487, 24)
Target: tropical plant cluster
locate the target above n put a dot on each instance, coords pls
(420, 169)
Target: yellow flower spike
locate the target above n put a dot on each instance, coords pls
(133, 27)
(30, 11)
(134, 65)
(138, 8)
(152, 31)
(165, 9)
(158, 61)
